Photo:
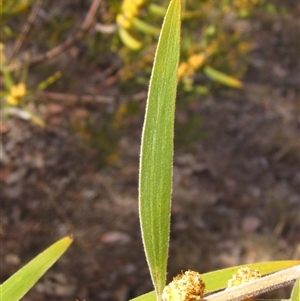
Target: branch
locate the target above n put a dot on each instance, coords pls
(62, 47)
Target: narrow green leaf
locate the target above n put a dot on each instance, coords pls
(128, 40)
(145, 27)
(48, 81)
(146, 297)
(157, 9)
(14, 288)
(155, 180)
(217, 280)
(295, 296)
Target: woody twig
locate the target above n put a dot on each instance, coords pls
(65, 45)
(30, 20)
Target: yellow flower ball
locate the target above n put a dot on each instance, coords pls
(187, 286)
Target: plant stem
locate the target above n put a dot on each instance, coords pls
(257, 287)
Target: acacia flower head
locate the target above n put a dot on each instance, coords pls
(242, 276)
(17, 92)
(187, 286)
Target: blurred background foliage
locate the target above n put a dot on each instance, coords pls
(91, 48)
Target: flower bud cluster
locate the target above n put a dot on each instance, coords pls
(187, 286)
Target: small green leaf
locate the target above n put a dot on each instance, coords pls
(14, 288)
(157, 9)
(48, 81)
(222, 78)
(156, 160)
(145, 27)
(128, 40)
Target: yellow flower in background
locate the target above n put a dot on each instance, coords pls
(194, 62)
(183, 70)
(129, 10)
(189, 67)
(17, 92)
(122, 21)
